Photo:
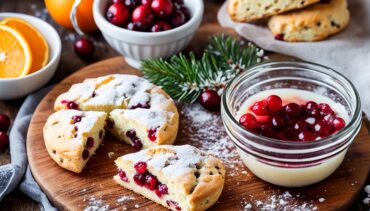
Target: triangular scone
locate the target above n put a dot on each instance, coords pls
(177, 177)
(72, 137)
(144, 128)
(252, 10)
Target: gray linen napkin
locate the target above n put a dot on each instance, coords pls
(347, 52)
(11, 174)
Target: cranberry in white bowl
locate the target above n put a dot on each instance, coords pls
(292, 122)
(145, 29)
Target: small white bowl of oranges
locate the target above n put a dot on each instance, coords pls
(30, 51)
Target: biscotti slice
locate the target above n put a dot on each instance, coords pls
(144, 128)
(72, 137)
(313, 23)
(252, 10)
(177, 177)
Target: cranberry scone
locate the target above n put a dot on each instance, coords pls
(72, 137)
(313, 23)
(252, 10)
(140, 113)
(177, 177)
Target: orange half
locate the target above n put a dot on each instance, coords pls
(38, 44)
(15, 53)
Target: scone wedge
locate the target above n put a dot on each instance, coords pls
(252, 10)
(72, 137)
(177, 177)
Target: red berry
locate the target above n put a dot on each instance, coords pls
(185, 11)
(139, 179)
(274, 103)
(151, 182)
(146, 2)
(300, 126)
(160, 26)
(152, 134)
(4, 123)
(310, 105)
(177, 19)
(173, 205)
(248, 121)
(76, 119)
(279, 37)
(325, 109)
(137, 144)
(72, 105)
(85, 154)
(118, 14)
(291, 110)
(4, 139)
(140, 167)
(132, 4)
(339, 123)
(323, 129)
(143, 15)
(134, 26)
(162, 8)
(306, 136)
(84, 48)
(210, 100)
(277, 121)
(161, 190)
(260, 108)
(90, 143)
(311, 121)
(266, 130)
(122, 175)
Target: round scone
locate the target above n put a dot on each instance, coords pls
(72, 137)
(177, 177)
(140, 113)
(252, 10)
(313, 23)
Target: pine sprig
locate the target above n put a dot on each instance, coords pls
(185, 77)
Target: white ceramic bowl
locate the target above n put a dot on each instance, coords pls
(137, 46)
(12, 88)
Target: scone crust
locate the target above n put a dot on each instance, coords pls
(200, 193)
(313, 23)
(252, 10)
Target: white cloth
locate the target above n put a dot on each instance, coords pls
(347, 52)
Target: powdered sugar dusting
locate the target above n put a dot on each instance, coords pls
(95, 204)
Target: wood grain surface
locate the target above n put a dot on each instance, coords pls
(64, 188)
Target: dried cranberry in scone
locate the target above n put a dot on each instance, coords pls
(177, 177)
(72, 137)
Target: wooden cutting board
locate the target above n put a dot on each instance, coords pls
(94, 188)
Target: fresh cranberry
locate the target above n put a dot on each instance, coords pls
(134, 26)
(143, 15)
(4, 139)
(325, 109)
(76, 118)
(85, 154)
(300, 126)
(306, 136)
(323, 129)
(137, 144)
(161, 190)
(84, 48)
(90, 143)
(260, 108)
(185, 11)
(140, 167)
(339, 123)
(210, 100)
(277, 121)
(274, 103)
(290, 134)
(177, 19)
(173, 205)
(4, 123)
(70, 104)
(118, 14)
(162, 8)
(291, 110)
(160, 26)
(310, 105)
(248, 121)
(122, 175)
(279, 37)
(132, 4)
(131, 134)
(151, 182)
(152, 134)
(266, 130)
(146, 2)
(140, 105)
(314, 112)
(139, 179)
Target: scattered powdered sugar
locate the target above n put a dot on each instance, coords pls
(96, 204)
(321, 199)
(367, 199)
(125, 199)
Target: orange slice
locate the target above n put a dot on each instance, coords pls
(38, 44)
(15, 53)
